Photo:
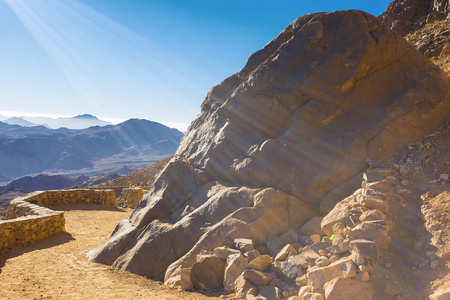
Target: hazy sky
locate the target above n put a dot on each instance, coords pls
(121, 59)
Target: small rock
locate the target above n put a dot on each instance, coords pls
(338, 228)
(244, 245)
(372, 215)
(287, 271)
(315, 238)
(365, 268)
(224, 251)
(236, 264)
(303, 290)
(403, 169)
(342, 247)
(319, 276)
(303, 258)
(258, 278)
(275, 282)
(367, 249)
(253, 291)
(322, 261)
(312, 296)
(288, 249)
(185, 279)
(348, 289)
(242, 286)
(363, 276)
(208, 273)
(270, 292)
(443, 177)
(333, 258)
(261, 262)
(302, 280)
(404, 182)
(373, 203)
(348, 270)
(252, 254)
(323, 252)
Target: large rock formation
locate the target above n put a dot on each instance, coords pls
(284, 138)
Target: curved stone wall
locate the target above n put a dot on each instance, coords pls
(29, 218)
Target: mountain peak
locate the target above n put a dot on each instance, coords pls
(85, 116)
(19, 121)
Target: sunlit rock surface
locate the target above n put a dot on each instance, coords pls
(286, 137)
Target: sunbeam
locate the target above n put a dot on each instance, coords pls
(103, 60)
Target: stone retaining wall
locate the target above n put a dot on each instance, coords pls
(132, 196)
(29, 219)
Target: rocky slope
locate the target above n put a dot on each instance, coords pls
(284, 139)
(34, 150)
(425, 24)
(143, 177)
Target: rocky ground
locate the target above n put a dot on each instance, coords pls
(57, 268)
(433, 41)
(426, 219)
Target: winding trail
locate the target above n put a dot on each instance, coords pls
(56, 267)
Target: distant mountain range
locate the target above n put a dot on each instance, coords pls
(93, 151)
(42, 183)
(77, 122)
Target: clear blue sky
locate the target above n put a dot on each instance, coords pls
(121, 59)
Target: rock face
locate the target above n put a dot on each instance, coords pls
(285, 137)
(405, 16)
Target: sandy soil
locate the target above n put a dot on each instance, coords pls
(56, 267)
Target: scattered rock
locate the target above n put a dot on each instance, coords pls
(312, 296)
(288, 249)
(367, 249)
(287, 271)
(322, 261)
(348, 270)
(261, 262)
(258, 278)
(270, 292)
(320, 276)
(252, 254)
(236, 264)
(242, 287)
(224, 251)
(207, 274)
(244, 245)
(348, 289)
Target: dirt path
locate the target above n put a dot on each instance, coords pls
(56, 267)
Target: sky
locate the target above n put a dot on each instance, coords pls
(122, 59)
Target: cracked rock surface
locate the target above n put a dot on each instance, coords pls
(286, 137)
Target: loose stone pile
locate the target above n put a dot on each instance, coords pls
(335, 262)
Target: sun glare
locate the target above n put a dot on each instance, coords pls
(103, 60)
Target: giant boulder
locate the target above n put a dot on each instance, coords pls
(295, 126)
